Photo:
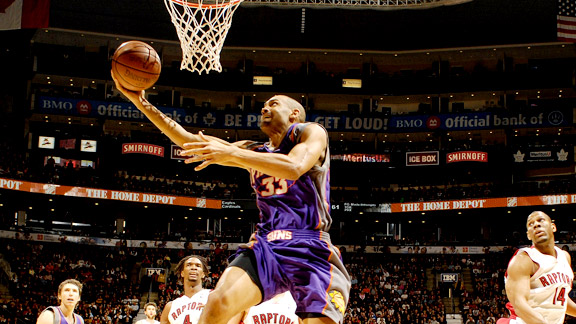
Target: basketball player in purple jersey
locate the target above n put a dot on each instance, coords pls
(291, 249)
(69, 292)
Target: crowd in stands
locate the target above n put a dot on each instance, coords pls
(386, 288)
(485, 303)
(392, 289)
(110, 293)
(114, 280)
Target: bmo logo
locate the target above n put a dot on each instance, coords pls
(433, 122)
(83, 107)
(422, 158)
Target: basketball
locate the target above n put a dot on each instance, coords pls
(136, 65)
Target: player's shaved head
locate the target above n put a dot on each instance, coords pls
(537, 214)
(293, 104)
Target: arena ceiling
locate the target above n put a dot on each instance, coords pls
(476, 23)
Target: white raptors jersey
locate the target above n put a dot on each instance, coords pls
(550, 285)
(187, 310)
(278, 310)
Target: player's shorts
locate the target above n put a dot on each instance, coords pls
(513, 319)
(505, 320)
(304, 262)
(510, 320)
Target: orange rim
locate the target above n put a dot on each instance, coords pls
(196, 5)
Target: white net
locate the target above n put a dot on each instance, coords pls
(202, 26)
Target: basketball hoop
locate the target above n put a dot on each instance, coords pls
(202, 26)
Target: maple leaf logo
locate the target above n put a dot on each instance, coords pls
(519, 157)
(562, 155)
(209, 119)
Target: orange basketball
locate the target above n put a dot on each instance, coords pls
(136, 65)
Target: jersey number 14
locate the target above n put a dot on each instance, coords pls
(560, 296)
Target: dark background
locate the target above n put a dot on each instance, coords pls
(477, 23)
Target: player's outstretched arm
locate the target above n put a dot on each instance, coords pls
(168, 126)
(518, 288)
(291, 166)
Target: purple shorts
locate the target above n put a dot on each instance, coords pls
(307, 264)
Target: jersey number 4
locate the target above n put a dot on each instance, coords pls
(560, 296)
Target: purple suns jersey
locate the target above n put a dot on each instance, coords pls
(301, 204)
(291, 248)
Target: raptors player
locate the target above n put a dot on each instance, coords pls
(291, 249)
(539, 278)
(186, 309)
(278, 310)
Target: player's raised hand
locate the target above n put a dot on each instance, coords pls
(209, 151)
(135, 96)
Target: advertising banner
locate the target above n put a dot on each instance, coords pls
(484, 203)
(262, 80)
(549, 154)
(467, 156)
(422, 158)
(126, 111)
(449, 277)
(480, 120)
(70, 191)
(143, 148)
(361, 157)
(88, 146)
(46, 142)
(213, 118)
(175, 153)
(352, 83)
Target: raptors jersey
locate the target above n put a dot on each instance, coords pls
(301, 204)
(550, 285)
(186, 310)
(278, 310)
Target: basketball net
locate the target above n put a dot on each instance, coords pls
(202, 26)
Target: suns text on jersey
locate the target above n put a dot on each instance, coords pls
(279, 235)
(555, 277)
(271, 318)
(190, 306)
